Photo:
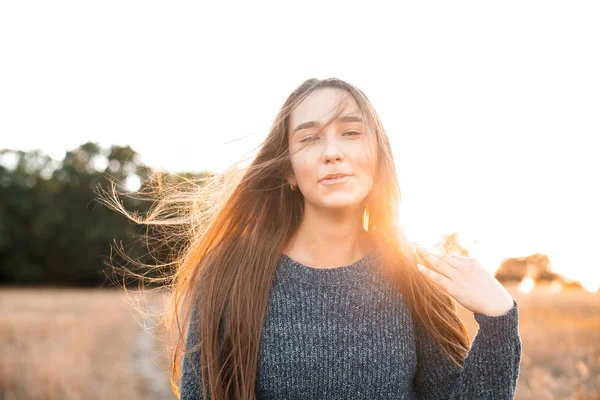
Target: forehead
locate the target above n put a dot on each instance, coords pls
(323, 104)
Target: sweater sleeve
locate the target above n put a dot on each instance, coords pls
(490, 370)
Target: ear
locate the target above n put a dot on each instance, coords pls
(291, 178)
(292, 182)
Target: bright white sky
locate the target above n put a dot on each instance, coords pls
(493, 109)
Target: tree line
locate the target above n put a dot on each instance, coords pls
(53, 231)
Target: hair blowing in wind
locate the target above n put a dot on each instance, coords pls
(227, 233)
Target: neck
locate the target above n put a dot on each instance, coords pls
(329, 239)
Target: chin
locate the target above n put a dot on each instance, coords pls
(341, 203)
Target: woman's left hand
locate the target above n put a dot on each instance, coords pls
(468, 282)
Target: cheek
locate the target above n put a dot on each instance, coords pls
(305, 165)
(363, 162)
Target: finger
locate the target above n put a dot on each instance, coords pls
(460, 261)
(439, 279)
(455, 261)
(439, 263)
(427, 256)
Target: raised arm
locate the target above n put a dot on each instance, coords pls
(490, 370)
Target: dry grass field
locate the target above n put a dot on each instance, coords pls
(91, 344)
(77, 344)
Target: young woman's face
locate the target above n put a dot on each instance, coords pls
(343, 147)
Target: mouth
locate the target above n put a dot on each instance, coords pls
(334, 176)
(335, 179)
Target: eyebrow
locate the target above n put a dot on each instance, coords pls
(341, 119)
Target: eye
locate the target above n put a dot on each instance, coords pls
(311, 138)
(308, 138)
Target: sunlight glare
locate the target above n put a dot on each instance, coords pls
(526, 285)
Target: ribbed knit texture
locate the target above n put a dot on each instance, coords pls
(346, 333)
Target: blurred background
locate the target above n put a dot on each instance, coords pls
(492, 111)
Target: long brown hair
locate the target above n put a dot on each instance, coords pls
(230, 230)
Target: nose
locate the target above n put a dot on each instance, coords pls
(332, 152)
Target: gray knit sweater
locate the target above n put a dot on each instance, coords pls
(346, 333)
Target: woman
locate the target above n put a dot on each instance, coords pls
(302, 284)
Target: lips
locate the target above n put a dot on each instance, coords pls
(333, 176)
